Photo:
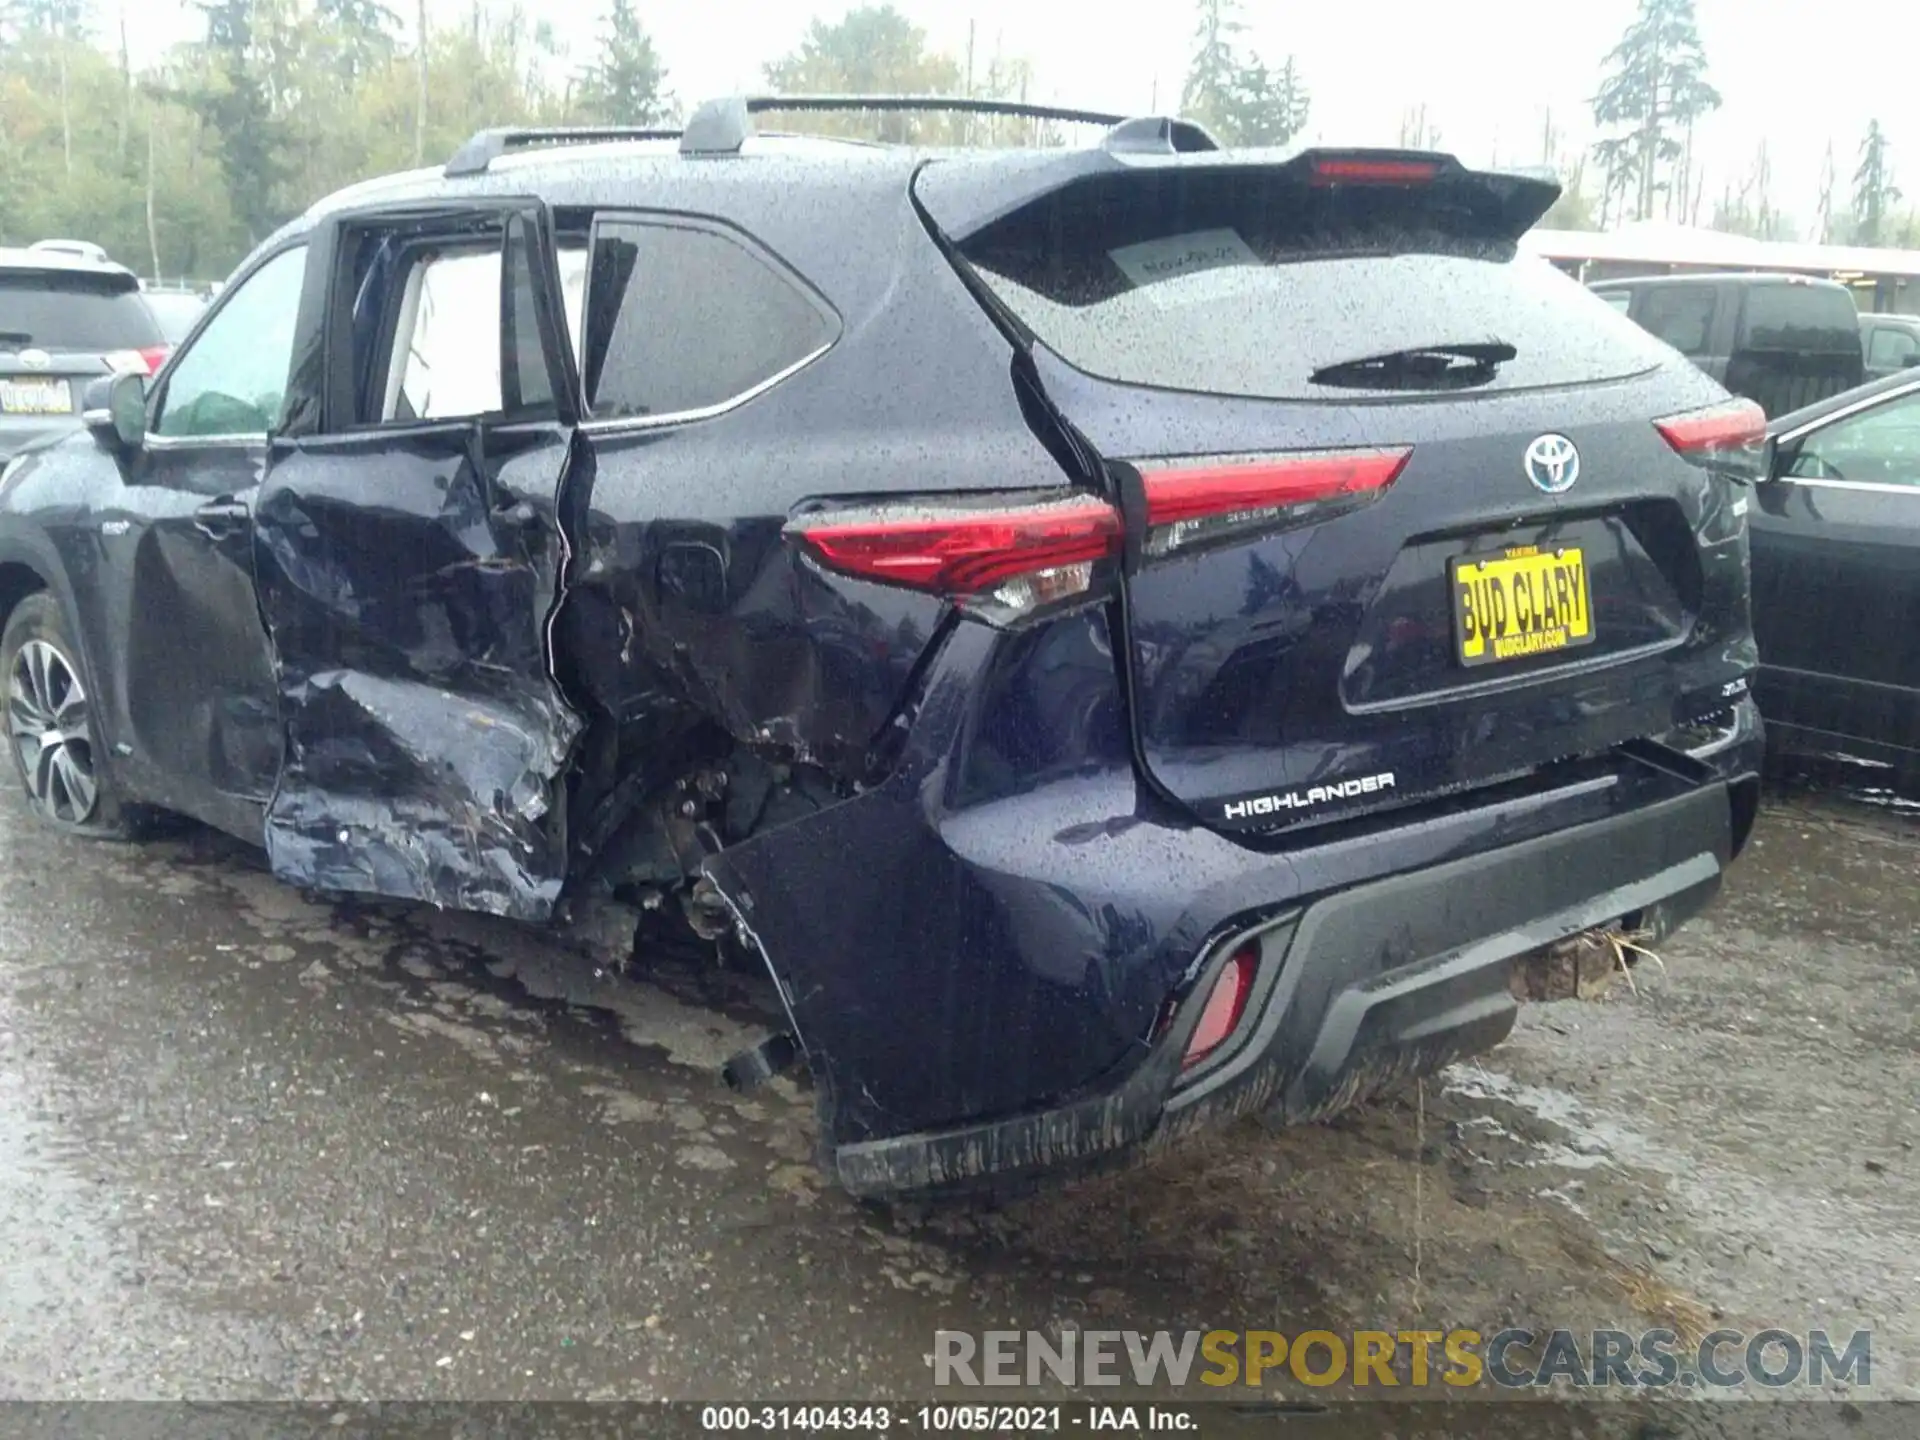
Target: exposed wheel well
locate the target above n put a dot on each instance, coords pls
(16, 583)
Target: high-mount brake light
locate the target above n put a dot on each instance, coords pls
(1730, 438)
(1359, 171)
(1003, 562)
(1196, 500)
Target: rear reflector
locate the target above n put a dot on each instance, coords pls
(1012, 559)
(1357, 171)
(1731, 438)
(1226, 1003)
(1193, 501)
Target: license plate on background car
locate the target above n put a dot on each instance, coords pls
(1521, 602)
(35, 397)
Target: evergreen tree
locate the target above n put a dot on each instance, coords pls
(233, 96)
(1655, 91)
(1240, 98)
(1266, 107)
(1874, 193)
(1208, 95)
(626, 85)
(364, 32)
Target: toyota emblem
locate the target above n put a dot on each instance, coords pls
(1553, 464)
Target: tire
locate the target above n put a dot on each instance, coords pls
(67, 781)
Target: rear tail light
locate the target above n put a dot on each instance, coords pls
(1226, 1004)
(138, 362)
(1006, 561)
(1730, 438)
(1003, 562)
(1192, 502)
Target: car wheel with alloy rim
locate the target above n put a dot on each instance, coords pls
(51, 724)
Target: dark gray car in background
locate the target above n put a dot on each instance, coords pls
(1782, 341)
(1892, 343)
(1836, 577)
(65, 319)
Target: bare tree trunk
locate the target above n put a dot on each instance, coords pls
(420, 98)
(126, 85)
(66, 110)
(966, 121)
(153, 229)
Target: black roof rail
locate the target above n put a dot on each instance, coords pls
(720, 127)
(486, 146)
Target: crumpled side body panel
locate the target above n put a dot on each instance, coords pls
(488, 765)
(424, 733)
(981, 931)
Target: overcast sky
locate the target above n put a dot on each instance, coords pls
(1793, 72)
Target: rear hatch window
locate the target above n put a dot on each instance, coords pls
(1800, 317)
(73, 311)
(1254, 284)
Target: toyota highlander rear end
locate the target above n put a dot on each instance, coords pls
(1388, 622)
(65, 320)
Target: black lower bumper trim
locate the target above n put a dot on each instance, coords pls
(1363, 987)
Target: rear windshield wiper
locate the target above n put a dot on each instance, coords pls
(1421, 367)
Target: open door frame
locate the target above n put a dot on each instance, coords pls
(408, 571)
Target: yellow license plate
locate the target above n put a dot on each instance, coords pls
(1522, 602)
(35, 397)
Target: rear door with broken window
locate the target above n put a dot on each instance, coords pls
(410, 558)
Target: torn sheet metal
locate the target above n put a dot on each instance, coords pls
(397, 789)
(425, 737)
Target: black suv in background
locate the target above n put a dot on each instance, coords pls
(1783, 341)
(65, 319)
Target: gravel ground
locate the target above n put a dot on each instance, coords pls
(256, 1146)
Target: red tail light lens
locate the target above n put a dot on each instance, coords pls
(1012, 560)
(1360, 171)
(1226, 1004)
(138, 362)
(1730, 438)
(1191, 502)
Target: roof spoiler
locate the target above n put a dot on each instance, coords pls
(965, 200)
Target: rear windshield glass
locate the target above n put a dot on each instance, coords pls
(64, 312)
(1800, 317)
(1257, 303)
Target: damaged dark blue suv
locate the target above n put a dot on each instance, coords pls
(1131, 635)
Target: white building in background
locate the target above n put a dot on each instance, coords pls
(1886, 281)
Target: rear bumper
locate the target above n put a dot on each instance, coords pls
(979, 960)
(1353, 992)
